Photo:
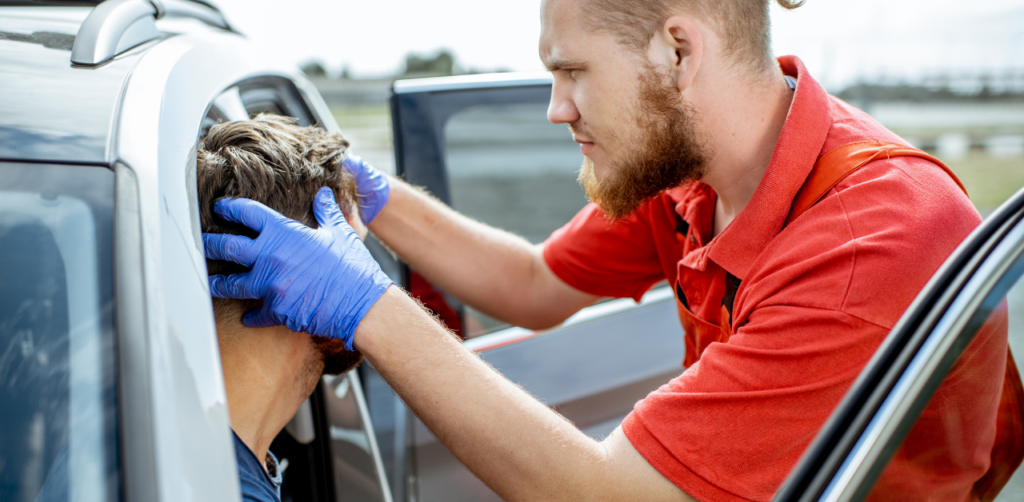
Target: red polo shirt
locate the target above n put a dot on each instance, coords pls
(816, 299)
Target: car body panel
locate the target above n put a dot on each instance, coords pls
(39, 118)
(157, 143)
(141, 115)
(164, 105)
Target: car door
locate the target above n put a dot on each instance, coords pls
(328, 450)
(977, 295)
(480, 144)
(483, 145)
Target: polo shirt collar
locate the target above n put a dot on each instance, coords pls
(799, 146)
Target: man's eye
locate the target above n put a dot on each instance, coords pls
(573, 74)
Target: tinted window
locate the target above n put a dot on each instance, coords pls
(512, 169)
(57, 423)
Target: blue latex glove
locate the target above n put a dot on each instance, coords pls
(318, 281)
(372, 186)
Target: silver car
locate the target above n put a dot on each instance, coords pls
(111, 381)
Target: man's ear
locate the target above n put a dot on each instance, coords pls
(680, 47)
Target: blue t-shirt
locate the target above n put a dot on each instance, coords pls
(256, 484)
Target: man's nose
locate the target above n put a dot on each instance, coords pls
(561, 110)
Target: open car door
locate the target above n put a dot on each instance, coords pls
(483, 145)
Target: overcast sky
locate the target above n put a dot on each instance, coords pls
(840, 40)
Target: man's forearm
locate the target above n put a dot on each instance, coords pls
(494, 271)
(515, 444)
(519, 447)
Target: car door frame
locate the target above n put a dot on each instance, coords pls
(862, 434)
(286, 94)
(153, 152)
(561, 366)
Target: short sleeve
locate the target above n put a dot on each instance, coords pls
(732, 426)
(616, 259)
(814, 307)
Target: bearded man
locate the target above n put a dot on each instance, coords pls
(697, 142)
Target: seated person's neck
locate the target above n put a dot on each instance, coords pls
(268, 373)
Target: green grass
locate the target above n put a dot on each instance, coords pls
(989, 180)
(366, 127)
(974, 131)
(358, 117)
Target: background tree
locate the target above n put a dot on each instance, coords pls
(314, 69)
(441, 63)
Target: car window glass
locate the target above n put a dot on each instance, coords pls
(510, 168)
(949, 449)
(264, 101)
(58, 436)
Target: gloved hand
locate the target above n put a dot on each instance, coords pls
(372, 186)
(318, 281)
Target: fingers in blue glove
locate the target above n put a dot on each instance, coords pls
(236, 286)
(247, 212)
(260, 318)
(326, 210)
(372, 185)
(237, 248)
(319, 281)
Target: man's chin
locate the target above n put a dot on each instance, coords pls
(598, 170)
(615, 202)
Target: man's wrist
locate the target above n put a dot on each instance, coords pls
(393, 184)
(377, 320)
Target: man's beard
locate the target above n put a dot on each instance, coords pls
(667, 154)
(336, 358)
(328, 356)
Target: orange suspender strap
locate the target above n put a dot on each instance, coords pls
(836, 165)
(833, 167)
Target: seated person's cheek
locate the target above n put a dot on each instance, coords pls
(358, 226)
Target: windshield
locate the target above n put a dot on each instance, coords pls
(57, 419)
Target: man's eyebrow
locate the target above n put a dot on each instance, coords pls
(558, 64)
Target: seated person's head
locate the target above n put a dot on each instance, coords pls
(271, 160)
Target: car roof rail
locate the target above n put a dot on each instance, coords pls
(115, 26)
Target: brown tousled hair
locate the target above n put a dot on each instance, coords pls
(271, 160)
(743, 24)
